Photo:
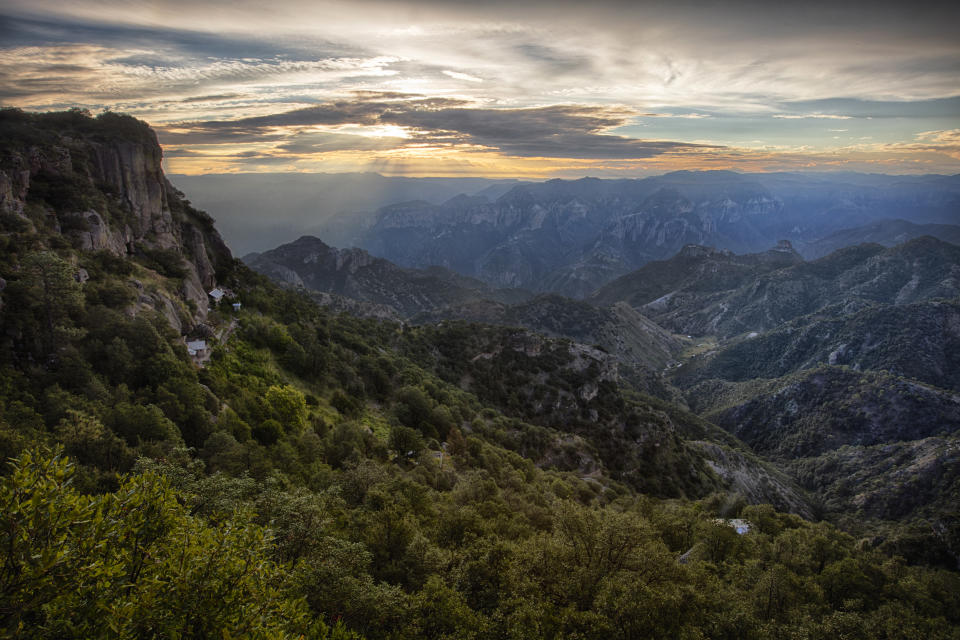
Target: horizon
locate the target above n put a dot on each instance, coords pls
(801, 172)
(530, 91)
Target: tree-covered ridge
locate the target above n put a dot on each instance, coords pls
(324, 476)
(310, 263)
(920, 341)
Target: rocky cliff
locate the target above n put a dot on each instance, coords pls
(98, 183)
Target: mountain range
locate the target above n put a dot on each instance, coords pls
(805, 361)
(196, 449)
(571, 237)
(260, 211)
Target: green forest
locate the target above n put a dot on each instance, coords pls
(326, 476)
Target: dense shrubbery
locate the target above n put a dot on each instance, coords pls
(324, 433)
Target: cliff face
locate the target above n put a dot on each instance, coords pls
(99, 184)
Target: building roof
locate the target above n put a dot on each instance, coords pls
(196, 345)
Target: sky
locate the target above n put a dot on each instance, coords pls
(492, 88)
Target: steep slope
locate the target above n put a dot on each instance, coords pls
(822, 410)
(843, 282)
(695, 272)
(99, 183)
(619, 330)
(354, 273)
(354, 281)
(919, 341)
(869, 445)
(575, 389)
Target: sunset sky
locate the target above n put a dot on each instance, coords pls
(503, 89)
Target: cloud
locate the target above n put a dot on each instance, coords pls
(951, 136)
(844, 108)
(808, 116)
(457, 75)
(571, 131)
(456, 78)
(945, 141)
(308, 144)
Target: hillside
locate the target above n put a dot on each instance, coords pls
(735, 299)
(870, 446)
(830, 407)
(354, 273)
(919, 341)
(694, 272)
(352, 280)
(619, 330)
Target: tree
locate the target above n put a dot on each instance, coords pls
(52, 291)
(405, 441)
(290, 407)
(133, 563)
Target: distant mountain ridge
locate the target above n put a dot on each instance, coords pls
(354, 273)
(885, 232)
(353, 280)
(573, 236)
(336, 206)
(722, 295)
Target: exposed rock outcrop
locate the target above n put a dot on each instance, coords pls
(99, 182)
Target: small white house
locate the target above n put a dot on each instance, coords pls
(236, 306)
(739, 525)
(197, 348)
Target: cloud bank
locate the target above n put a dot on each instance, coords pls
(613, 86)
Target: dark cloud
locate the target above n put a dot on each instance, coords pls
(181, 153)
(555, 61)
(201, 136)
(260, 159)
(563, 131)
(213, 98)
(33, 31)
(365, 110)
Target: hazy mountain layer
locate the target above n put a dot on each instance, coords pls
(886, 232)
(256, 212)
(574, 236)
